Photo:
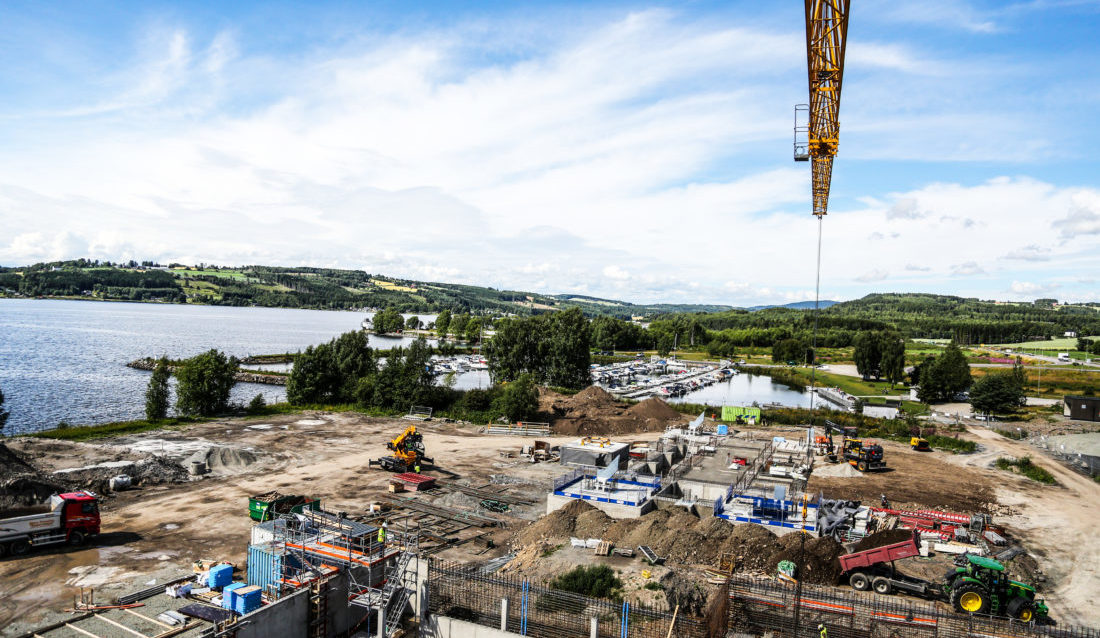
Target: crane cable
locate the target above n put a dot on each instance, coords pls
(817, 303)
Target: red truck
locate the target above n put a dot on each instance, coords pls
(70, 518)
(874, 569)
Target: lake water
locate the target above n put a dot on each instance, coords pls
(744, 389)
(66, 360)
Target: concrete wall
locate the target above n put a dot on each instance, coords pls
(443, 627)
(288, 617)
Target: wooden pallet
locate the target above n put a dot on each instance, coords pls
(603, 549)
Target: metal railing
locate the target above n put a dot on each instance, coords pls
(758, 605)
(462, 592)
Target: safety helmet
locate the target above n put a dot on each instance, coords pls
(822, 626)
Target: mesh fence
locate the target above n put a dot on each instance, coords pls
(462, 592)
(760, 606)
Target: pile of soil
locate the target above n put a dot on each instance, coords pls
(223, 459)
(21, 484)
(154, 470)
(684, 538)
(593, 411)
(881, 539)
(821, 565)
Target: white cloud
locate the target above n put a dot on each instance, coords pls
(1029, 288)
(1031, 252)
(967, 268)
(1083, 217)
(905, 209)
(615, 272)
(917, 268)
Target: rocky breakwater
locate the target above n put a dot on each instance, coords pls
(242, 376)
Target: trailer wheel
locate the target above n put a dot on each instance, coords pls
(881, 586)
(3, 549)
(859, 581)
(76, 538)
(19, 548)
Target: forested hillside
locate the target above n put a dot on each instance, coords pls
(299, 287)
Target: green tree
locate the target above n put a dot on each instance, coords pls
(868, 354)
(157, 398)
(997, 392)
(458, 325)
(387, 321)
(942, 377)
(257, 404)
(665, 343)
(473, 330)
(790, 350)
(331, 372)
(4, 414)
(1083, 344)
(520, 399)
(443, 323)
(892, 363)
(203, 383)
(569, 350)
(412, 323)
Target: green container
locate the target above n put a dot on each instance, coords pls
(268, 506)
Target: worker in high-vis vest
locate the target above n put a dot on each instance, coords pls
(382, 534)
(824, 632)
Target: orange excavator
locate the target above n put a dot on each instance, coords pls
(408, 452)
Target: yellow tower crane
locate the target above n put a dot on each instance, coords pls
(816, 141)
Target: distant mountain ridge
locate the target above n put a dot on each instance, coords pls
(797, 305)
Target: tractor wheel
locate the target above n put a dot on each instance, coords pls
(862, 466)
(881, 586)
(1021, 609)
(970, 598)
(19, 548)
(859, 581)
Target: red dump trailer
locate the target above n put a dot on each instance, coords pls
(874, 569)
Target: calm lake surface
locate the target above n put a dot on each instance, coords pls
(66, 360)
(744, 389)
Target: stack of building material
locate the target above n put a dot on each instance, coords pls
(415, 482)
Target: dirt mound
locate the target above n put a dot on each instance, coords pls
(21, 484)
(221, 458)
(594, 411)
(750, 546)
(13, 465)
(820, 564)
(654, 408)
(575, 519)
(158, 469)
(880, 539)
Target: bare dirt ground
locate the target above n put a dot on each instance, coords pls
(942, 484)
(157, 532)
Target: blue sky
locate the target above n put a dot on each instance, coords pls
(625, 150)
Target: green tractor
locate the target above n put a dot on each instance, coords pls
(978, 585)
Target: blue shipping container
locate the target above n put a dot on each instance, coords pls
(220, 576)
(229, 595)
(266, 563)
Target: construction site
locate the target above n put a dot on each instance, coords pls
(327, 524)
(242, 526)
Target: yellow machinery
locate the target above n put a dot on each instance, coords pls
(408, 452)
(920, 444)
(816, 141)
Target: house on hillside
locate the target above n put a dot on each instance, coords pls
(1070, 334)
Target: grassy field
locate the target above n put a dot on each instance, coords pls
(228, 274)
(1056, 382)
